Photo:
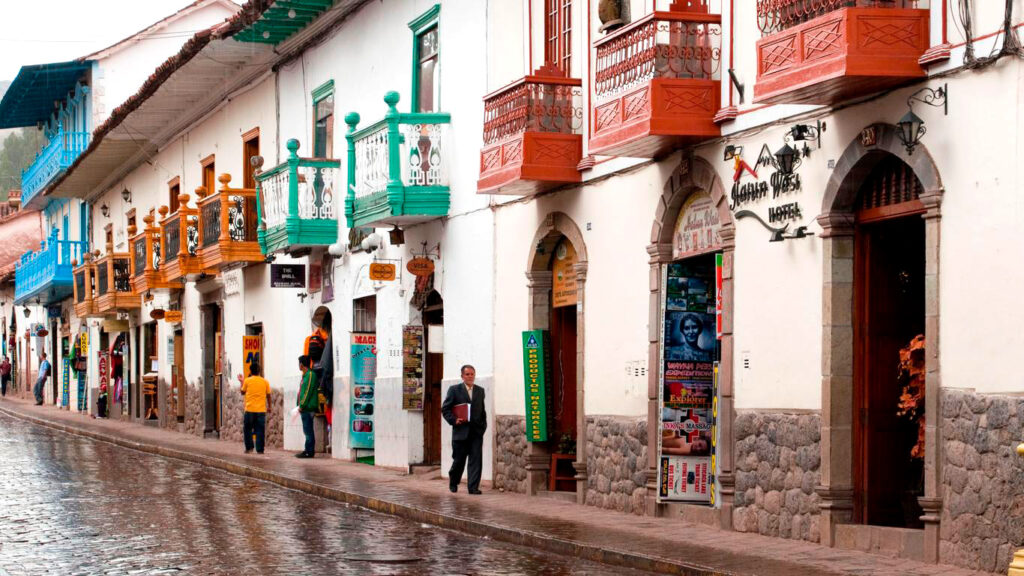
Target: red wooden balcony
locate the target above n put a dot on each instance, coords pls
(227, 226)
(531, 136)
(829, 51)
(657, 83)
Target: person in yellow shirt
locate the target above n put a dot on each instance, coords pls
(256, 390)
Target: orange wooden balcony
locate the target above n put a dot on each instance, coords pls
(113, 285)
(227, 226)
(179, 233)
(657, 83)
(532, 139)
(84, 286)
(146, 253)
(830, 51)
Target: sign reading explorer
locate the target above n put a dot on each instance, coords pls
(536, 401)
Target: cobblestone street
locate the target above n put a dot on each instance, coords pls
(73, 505)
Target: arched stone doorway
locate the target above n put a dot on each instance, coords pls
(558, 236)
(694, 178)
(843, 237)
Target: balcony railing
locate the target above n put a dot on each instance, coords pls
(114, 283)
(84, 288)
(59, 154)
(656, 83)
(397, 168)
(180, 232)
(296, 203)
(146, 257)
(228, 226)
(532, 136)
(46, 273)
(829, 51)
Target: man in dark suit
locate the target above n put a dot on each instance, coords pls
(467, 437)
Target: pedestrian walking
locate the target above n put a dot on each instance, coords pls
(44, 373)
(307, 402)
(254, 422)
(5, 376)
(463, 409)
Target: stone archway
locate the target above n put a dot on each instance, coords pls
(552, 230)
(837, 384)
(694, 174)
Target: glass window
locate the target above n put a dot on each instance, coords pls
(323, 127)
(558, 34)
(427, 93)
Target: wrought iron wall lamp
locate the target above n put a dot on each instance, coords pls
(911, 127)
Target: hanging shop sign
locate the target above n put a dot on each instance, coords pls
(287, 275)
(111, 326)
(420, 266)
(382, 272)
(173, 316)
(252, 351)
(534, 373)
(697, 228)
(364, 373)
(688, 352)
(563, 272)
(412, 367)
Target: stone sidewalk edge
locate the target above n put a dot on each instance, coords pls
(472, 526)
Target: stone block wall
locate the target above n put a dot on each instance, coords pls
(194, 408)
(616, 463)
(982, 480)
(778, 456)
(232, 411)
(275, 419)
(510, 451)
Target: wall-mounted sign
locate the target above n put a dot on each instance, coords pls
(697, 229)
(252, 351)
(563, 272)
(412, 367)
(420, 266)
(315, 277)
(111, 326)
(778, 186)
(103, 366)
(173, 316)
(536, 386)
(382, 272)
(327, 264)
(287, 275)
(364, 374)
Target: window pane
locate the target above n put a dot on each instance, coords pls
(428, 44)
(325, 107)
(428, 80)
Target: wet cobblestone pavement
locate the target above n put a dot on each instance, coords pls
(71, 505)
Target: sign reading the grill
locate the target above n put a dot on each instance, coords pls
(382, 272)
(420, 266)
(287, 275)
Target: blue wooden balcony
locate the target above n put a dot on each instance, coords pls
(398, 168)
(62, 150)
(45, 275)
(296, 203)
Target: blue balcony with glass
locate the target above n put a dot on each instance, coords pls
(398, 168)
(296, 203)
(56, 157)
(44, 276)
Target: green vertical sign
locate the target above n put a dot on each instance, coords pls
(536, 386)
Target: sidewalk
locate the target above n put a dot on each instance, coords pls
(656, 544)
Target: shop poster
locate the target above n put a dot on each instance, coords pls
(412, 367)
(252, 351)
(689, 353)
(65, 383)
(364, 373)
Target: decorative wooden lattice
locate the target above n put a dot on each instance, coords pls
(891, 182)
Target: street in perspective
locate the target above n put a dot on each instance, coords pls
(693, 287)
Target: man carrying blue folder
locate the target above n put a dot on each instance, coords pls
(463, 409)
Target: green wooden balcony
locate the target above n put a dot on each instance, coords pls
(295, 201)
(397, 168)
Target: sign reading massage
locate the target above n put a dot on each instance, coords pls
(536, 393)
(697, 229)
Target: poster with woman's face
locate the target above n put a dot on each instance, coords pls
(689, 336)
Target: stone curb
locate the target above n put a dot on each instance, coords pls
(460, 524)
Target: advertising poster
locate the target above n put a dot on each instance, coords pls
(252, 351)
(65, 387)
(364, 373)
(563, 289)
(412, 367)
(534, 373)
(689, 353)
(103, 357)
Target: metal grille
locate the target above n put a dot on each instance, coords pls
(778, 15)
(139, 255)
(122, 275)
(211, 222)
(80, 286)
(891, 182)
(101, 278)
(173, 239)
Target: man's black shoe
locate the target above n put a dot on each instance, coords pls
(453, 489)
(303, 455)
(474, 492)
(249, 451)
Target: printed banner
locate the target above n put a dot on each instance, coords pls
(65, 383)
(82, 400)
(364, 373)
(536, 386)
(412, 367)
(687, 394)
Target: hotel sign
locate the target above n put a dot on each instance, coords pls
(536, 386)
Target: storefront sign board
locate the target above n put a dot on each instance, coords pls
(173, 316)
(563, 288)
(718, 295)
(420, 266)
(65, 387)
(412, 367)
(382, 272)
(103, 363)
(697, 228)
(252, 351)
(364, 373)
(287, 275)
(536, 386)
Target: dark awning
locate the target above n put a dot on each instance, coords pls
(30, 98)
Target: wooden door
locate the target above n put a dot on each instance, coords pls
(563, 375)
(179, 374)
(889, 312)
(432, 409)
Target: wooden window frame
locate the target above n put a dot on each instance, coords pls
(247, 168)
(108, 235)
(172, 203)
(422, 24)
(130, 218)
(558, 35)
(319, 94)
(210, 160)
